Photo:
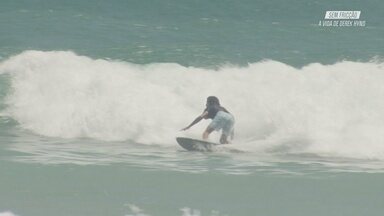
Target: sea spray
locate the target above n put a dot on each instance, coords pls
(323, 109)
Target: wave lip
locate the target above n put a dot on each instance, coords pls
(332, 110)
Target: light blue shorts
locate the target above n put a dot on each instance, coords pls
(224, 121)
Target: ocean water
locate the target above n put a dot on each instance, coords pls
(93, 94)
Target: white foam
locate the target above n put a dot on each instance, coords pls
(136, 211)
(190, 212)
(7, 213)
(324, 109)
(186, 211)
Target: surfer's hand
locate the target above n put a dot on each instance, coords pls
(184, 129)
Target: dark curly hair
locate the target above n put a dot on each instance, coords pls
(213, 101)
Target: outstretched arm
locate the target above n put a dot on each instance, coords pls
(198, 119)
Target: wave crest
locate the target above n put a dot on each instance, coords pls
(332, 109)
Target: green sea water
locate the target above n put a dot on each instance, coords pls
(198, 33)
(93, 94)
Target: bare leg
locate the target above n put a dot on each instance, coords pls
(223, 139)
(207, 132)
(233, 134)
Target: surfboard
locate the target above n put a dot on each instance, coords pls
(195, 144)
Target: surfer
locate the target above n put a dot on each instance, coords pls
(221, 120)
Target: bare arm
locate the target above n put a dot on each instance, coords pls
(198, 119)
